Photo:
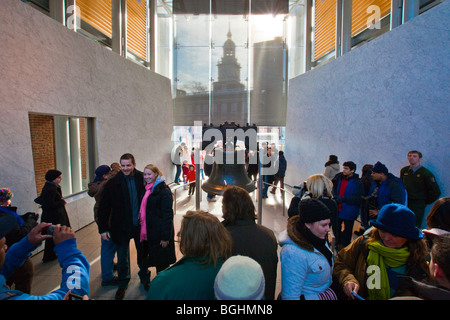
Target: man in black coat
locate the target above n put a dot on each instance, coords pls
(118, 219)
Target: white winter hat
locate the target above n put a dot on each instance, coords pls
(240, 278)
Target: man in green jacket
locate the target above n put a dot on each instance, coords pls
(420, 185)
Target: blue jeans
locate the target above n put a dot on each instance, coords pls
(107, 252)
(177, 175)
(265, 185)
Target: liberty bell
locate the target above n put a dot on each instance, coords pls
(228, 167)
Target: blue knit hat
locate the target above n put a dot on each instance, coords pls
(398, 220)
(100, 171)
(240, 278)
(380, 168)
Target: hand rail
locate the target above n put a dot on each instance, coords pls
(174, 187)
(283, 194)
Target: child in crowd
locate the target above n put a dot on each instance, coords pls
(185, 168)
(191, 178)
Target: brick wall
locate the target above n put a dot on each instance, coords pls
(42, 132)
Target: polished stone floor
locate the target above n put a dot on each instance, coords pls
(48, 276)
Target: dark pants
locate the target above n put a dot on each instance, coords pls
(252, 176)
(418, 207)
(123, 260)
(49, 254)
(22, 277)
(345, 236)
(281, 180)
(191, 188)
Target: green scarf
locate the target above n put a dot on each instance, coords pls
(382, 256)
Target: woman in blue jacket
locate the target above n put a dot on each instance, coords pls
(306, 258)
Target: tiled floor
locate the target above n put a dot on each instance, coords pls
(48, 276)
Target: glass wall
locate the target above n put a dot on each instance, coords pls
(163, 39)
(296, 42)
(231, 60)
(229, 66)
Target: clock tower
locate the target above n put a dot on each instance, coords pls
(229, 69)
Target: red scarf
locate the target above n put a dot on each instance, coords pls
(344, 183)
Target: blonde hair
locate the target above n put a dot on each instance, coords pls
(318, 185)
(154, 168)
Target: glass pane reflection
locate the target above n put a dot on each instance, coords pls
(230, 68)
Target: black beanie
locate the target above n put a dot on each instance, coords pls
(313, 210)
(52, 175)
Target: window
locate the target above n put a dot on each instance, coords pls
(64, 143)
(137, 28)
(96, 19)
(235, 64)
(324, 28)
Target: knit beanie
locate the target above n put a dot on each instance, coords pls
(239, 278)
(100, 171)
(52, 174)
(312, 210)
(379, 168)
(5, 195)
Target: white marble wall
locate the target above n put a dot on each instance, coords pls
(376, 103)
(47, 68)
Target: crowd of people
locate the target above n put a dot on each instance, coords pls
(391, 257)
(235, 258)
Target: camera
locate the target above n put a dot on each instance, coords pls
(73, 296)
(48, 231)
(30, 215)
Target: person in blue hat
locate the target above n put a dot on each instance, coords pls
(22, 278)
(108, 249)
(385, 188)
(371, 264)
